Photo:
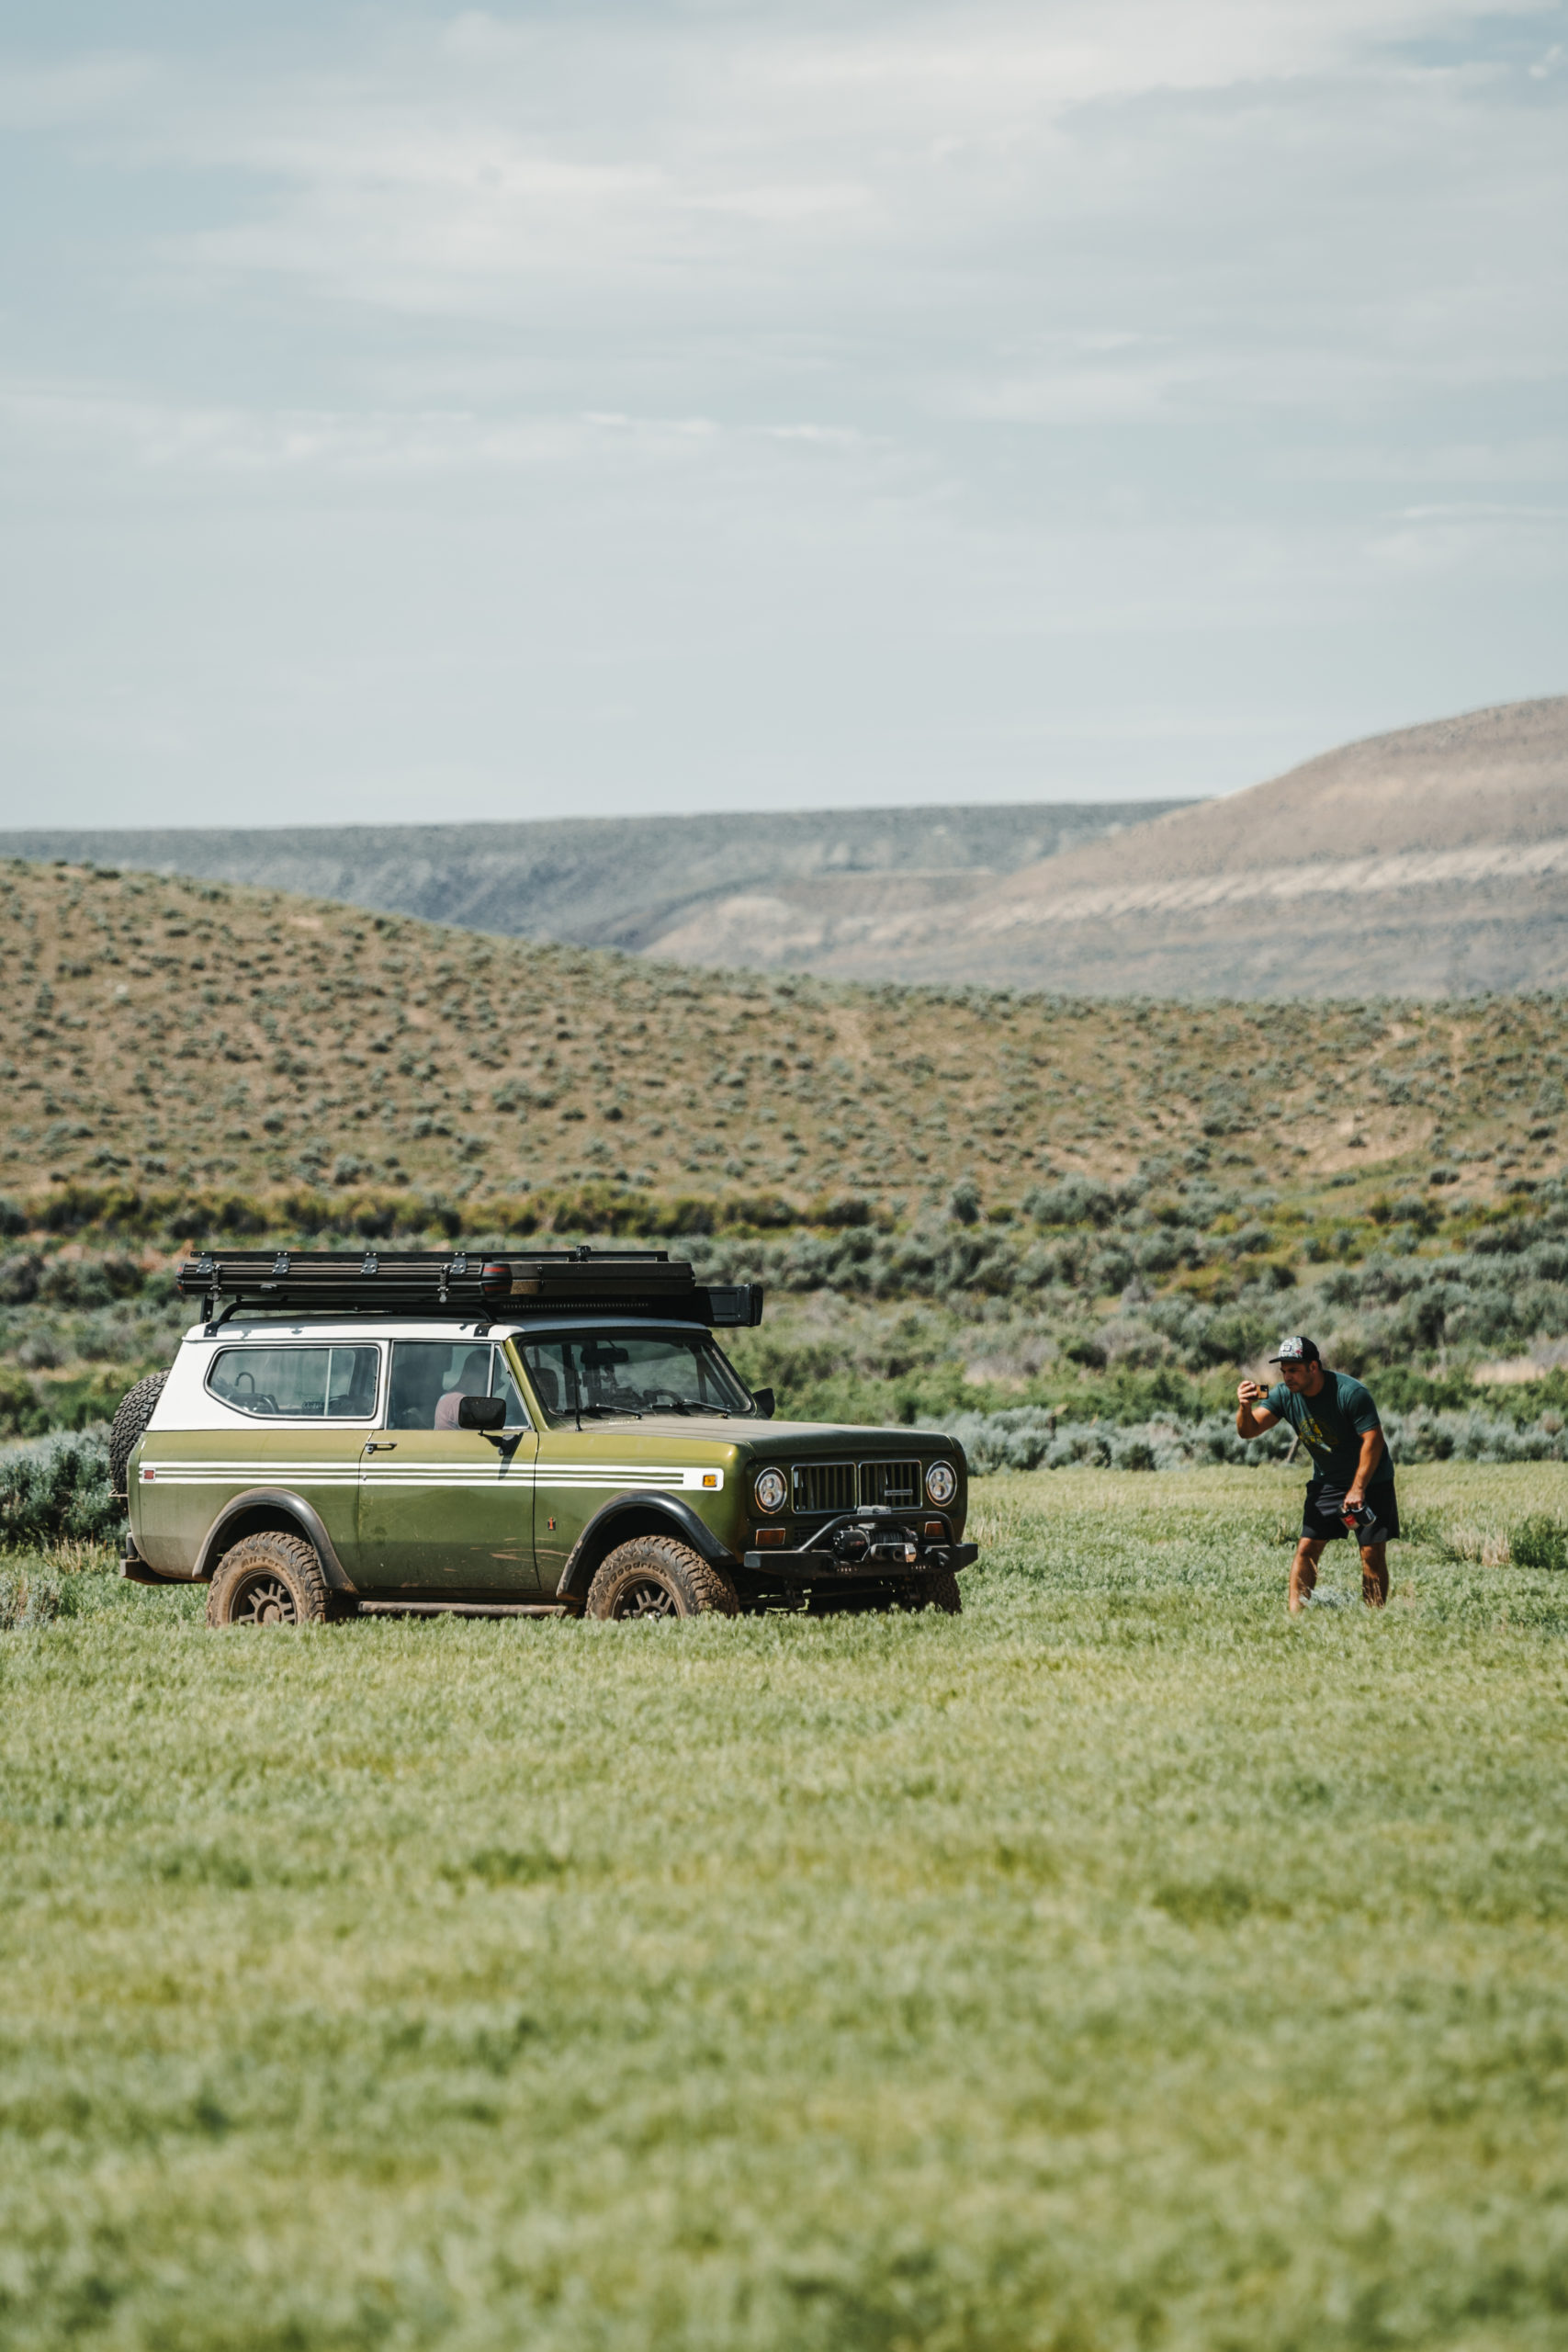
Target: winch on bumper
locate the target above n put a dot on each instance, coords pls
(874, 1541)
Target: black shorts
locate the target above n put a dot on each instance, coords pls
(1323, 1514)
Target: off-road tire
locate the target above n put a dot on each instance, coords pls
(940, 1590)
(269, 1580)
(654, 1575)
(129, 1424)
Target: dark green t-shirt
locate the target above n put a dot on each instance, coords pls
(1332, 1424)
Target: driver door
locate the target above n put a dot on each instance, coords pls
(443, 1511)
(588, 1451)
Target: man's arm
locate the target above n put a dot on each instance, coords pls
(1251, 1420)
(1372, 1455)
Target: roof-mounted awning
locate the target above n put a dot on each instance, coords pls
(465, 1283)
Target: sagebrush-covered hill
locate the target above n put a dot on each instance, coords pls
(168, 1036)
(1025, 1194)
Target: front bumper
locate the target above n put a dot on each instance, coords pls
(865, 1544)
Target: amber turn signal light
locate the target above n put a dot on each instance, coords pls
(935, 1527)
(769, 1535)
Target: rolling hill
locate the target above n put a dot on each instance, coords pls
(172, 1037)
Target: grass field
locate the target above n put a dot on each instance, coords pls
(1119, 1966)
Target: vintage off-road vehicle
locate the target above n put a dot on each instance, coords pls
(548, 1435)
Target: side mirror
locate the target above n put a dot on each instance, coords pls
(481, 1412)
(764, 1401)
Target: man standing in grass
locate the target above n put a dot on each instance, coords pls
(1350, 1491)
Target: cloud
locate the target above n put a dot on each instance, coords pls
(238, 442)
(1246, 206)
(105, 86)
(886, 347)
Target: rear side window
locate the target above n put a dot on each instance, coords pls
(296, 1384)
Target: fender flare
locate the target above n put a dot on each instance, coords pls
(272, 1499)
(592, 1544)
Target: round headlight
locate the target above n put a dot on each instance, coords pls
(770, 1490)
(942, 1482)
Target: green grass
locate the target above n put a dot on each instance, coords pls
(1121, 1965)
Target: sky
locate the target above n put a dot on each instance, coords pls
(410, 413)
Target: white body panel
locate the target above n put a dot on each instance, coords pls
(187, 1403)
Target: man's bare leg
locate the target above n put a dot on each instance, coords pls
(1374, 1575)
(1304, 1572)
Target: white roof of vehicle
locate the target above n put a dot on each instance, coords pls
(345, 1329)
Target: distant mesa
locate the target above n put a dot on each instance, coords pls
(1427, 863)
(780, 889)
(1433, 862)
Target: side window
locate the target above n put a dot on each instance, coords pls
(296, 1384)
(290, 1383)
(350, 1384)
(430, 1377)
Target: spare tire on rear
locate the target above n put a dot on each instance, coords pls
(129, 1425)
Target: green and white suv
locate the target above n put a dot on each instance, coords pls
(556, 1434)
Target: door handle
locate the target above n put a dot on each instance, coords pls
(387, 1445)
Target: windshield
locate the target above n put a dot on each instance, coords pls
(601, 1375)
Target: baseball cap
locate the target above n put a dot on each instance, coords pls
(1296, 1349)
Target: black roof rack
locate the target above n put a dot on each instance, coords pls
(463, 1283)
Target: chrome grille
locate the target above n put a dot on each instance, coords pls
(824, 1486)
(894, 1484)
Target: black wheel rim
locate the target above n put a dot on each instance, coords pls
(646, 1597)
(264, 1600)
